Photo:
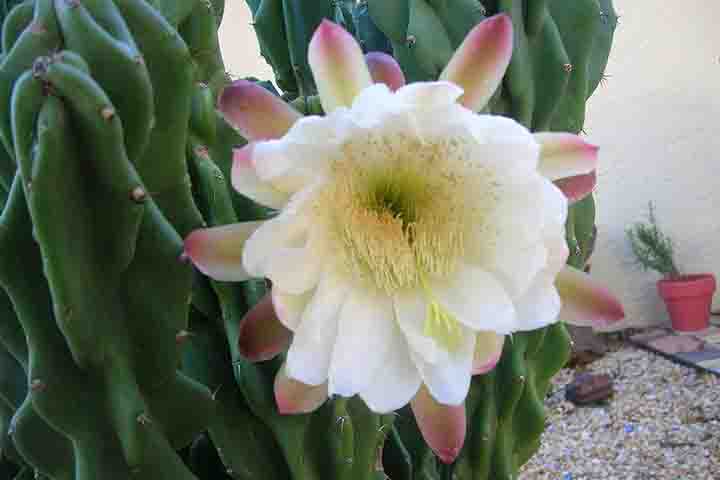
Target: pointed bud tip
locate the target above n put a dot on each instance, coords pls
(190, 244)
(261, 336)
(338, 66)
(586, 303)
(488, 366)
(479, 64)
(294, 398)
(609, 317)
(448, 455)
(564, 155)
(591, 150)
(255, 111)
(243, 157)
(501, 21)
(615, 311)
(284, 408)
(497, 30)
(577, 187)
(252, 354)
(442, 426)
(327, 30)
(232, 92)
(385, 69)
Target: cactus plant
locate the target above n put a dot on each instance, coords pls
(117, 358)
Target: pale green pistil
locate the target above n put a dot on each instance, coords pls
(442, 326)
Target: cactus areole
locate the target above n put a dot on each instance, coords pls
(412, 233)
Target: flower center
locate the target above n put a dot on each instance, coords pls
(396, 207)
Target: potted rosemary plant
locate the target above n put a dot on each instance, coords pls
(688, 297)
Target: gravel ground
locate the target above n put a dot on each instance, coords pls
(662, 423)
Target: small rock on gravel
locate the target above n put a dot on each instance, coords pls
(663, 423)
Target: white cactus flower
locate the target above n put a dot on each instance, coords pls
(412, 233)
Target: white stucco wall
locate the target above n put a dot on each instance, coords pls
(239, 45)
(657, 121)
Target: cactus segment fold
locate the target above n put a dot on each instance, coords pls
(163, 166)
(41, 37)
(12, 337)
(15, 23)
(117, 65)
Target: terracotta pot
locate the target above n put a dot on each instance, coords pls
(688, 299)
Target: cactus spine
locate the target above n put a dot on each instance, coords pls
(116, 359)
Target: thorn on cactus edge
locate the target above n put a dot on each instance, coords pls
(38, 386)
(38, 28)
(202, 152)
(107, 113)
(40, 66)
(182, 336)
(568, 67)
(144, 419)
(138, 195)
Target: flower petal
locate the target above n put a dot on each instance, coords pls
(540, 305)
(578, 187)
(285, 230)
(476, 299)
(246, 181)
(479, 64)
(385, 69)
(289, 308)
(281, 164)
(365, 325)
(516, 264)
(217, 251)
(294, 270)
(443, 427)
(256, 112)
(488, 350)
(449, 381)
(261, 335)
(396, 383)
(555, 205)
(410, 313)
(505, 145)
(586, 303)
(338, 66)
(308, 359)
(294, 397)
(430, 95)
(565, 155)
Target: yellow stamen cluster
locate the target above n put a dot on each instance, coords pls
(394, 206)
(404, 210)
